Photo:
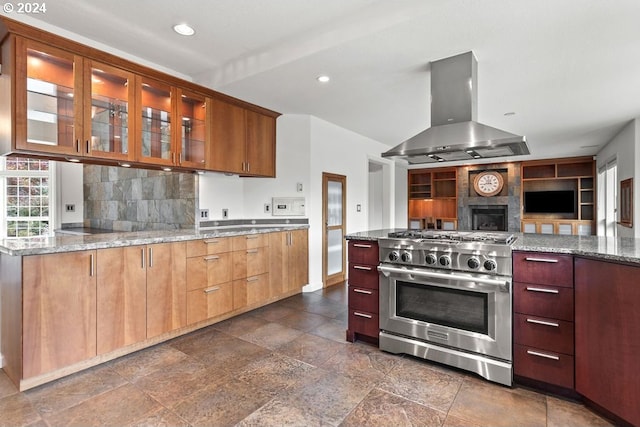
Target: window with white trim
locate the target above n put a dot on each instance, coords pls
(26, 192)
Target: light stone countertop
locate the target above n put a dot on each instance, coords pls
(70, 243)
(619, 249)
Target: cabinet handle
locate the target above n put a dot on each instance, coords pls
(142, 258)
(290, 238)
(88, 147)
(366, 316)
(242, 166)
(553, 261)
(360, 267)
(173, 158)
(215, 288)
(248, 167)
(211, 258)
(210, 242)
(542, 322)
(360, 245)
(77, 146)
(252, 251)
(362, 291)
(179, 158)
(150, 257)
(252, 237)
(545, 355)
(543, 290)
(91, 266)
(252, 279)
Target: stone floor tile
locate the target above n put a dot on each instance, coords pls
(562, 413)
(16, 409)
(302, 320)
(384, 409)
(333, 330)
(272, 335)
(360, 362)
(273, 312)
(311, 349)
(144, 362)
(160, 418)
(274, 373)
(453, 421)
(490, 404)
(239, 325)
(70, 391)
(418, 382)
(326, 308)
(120, 406)
(7, 387)
(278, 413)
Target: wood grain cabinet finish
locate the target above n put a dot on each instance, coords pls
(250, 270)
(543, 304)
(363, 291)
(288, 261)
(56, 332)
(608, 336)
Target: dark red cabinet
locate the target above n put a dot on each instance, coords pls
(363, 291)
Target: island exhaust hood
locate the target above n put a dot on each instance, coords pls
(454, 133)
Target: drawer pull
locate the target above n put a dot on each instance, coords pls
(366, 316)
(251, 237)
(545, 355)
(362, 291)
(253, 279)
(252, 251)
(215, 288)
(360, 245)
(542, 322)
(211, 258)
(360, 267)
(553, 261)
(543, 290)
(210, 242)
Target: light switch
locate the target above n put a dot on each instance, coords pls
(358, 208)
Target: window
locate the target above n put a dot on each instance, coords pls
(26, 193)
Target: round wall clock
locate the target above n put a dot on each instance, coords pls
(488, 183)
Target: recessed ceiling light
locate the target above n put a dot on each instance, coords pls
(323, 78)
(510, 113)
(184, 30)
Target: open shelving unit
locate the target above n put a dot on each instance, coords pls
(433, 195)
(575, 174)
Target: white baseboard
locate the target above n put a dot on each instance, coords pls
(311, 287)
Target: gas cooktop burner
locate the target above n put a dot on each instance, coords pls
(456, 236)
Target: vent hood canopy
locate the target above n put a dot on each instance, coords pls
(455, 134)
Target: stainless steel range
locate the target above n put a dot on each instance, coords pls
(446, 296)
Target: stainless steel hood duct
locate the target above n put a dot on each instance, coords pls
(454, 133)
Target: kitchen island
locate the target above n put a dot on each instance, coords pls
(74, 301)
(576, 326)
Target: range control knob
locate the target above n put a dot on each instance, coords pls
(490, 265)
(394, 256)
(431, 259)
(444, 260)
(406, 256)
(473, 263)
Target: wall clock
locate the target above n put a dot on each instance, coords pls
(488, 183)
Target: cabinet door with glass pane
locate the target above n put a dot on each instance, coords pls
(108, 127)
(48, 109)
(193, 136)
(155, 117)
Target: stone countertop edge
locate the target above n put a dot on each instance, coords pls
(69, 243)
(616, 249)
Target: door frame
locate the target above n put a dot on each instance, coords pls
(342, 275)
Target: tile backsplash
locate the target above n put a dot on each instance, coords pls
(123, 199)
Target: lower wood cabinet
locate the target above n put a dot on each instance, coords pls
(213, 301)
(288, 261)
(363, 291)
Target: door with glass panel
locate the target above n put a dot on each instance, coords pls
(156, 122)
(193, 136)
(334, 194)
(48, 82)
(108, 128)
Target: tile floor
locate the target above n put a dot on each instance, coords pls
(284, 364)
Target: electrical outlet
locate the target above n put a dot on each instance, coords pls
(70, 208)
(267, 208)
(358, 208)
(299, 187)
(204, 213)
(225, 213)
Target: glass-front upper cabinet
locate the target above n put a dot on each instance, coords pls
(108, 126)
(48, 112)
(192, 138)
(156, 122)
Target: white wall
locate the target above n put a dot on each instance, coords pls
(69, 191)
(401, 196)
(625, 147)
(306, 147)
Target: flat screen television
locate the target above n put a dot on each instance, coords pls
(562, 201)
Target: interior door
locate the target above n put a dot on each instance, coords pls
(334, 194)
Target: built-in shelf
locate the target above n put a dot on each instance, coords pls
(433, 198)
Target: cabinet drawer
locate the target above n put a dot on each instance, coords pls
(361, 298)
(215, 245)
(203, 304)
(548, 334)
(543, 268)
(363, 275)
(250, 262)
(543, 300)
(363, 252)
(250, 241)
(542, 365)
(363, 322)
(208, 270)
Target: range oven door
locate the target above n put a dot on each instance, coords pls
(467, 312)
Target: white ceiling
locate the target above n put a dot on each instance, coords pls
(569, 69)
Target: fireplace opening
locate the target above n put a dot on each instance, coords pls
(489, 218)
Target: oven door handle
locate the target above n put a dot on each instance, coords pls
(388, 270)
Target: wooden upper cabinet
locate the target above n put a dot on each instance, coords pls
(193, 140)
(228, 137)
(261, 144)
(47, 109)
(109, 94)
(155, 120)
